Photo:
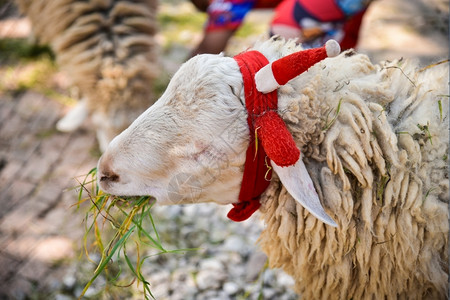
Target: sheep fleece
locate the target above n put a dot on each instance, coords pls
(378, 159)
(107, 47)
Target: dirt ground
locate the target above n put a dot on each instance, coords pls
(408, 29)
(41, 231)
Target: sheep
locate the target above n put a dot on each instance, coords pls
(109, 51)
(373, 138)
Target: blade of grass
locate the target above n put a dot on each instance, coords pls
(328, 124)
(105, 261)
(137, 274)
(139, 227)
(131, 221)
(153, 226)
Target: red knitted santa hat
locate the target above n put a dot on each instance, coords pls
(261, 79)
(275, 138)
(281, 71)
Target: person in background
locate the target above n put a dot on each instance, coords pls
(312, 22)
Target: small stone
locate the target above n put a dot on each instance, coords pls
(285, 280)
(160, 290)
(210, 279)
(235, 244)
(237, 271)
(255, 265)
(219, 234)
(231, 288)
(196, 211)
(211, 264)
(183, 292)
(158, 278)
(230, 258)
(69, 281)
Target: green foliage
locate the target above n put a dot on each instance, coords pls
(247, 29)
(37, 75)
(440, 105)
(21, 49)
(336, 113)
(180, 26)
(132, 224)
(189, 20)
(426, 131)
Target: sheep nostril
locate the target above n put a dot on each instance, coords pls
(109, 177)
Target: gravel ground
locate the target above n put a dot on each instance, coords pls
(226, 264)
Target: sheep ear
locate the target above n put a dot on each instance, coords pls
(299, 184)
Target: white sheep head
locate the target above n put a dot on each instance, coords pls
(191, 145)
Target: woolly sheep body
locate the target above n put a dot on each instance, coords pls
(378, 173)
(108, 50)
(374, 140)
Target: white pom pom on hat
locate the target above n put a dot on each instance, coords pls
(279, 72)
(332, 48)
